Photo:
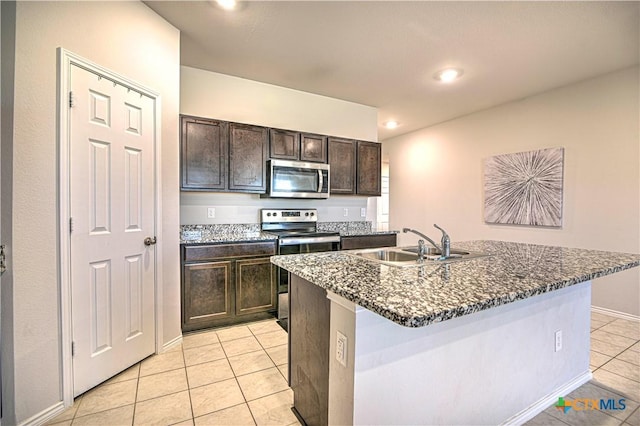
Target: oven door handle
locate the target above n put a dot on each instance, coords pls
(320, 181)
(308, 240)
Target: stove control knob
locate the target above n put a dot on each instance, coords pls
(312, 213)
(306, 214)
(275, 213)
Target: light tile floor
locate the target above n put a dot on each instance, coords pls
(231, 376)
(236, 376)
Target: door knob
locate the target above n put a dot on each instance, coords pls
(150, 241)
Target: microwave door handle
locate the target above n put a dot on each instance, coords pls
(320, 180)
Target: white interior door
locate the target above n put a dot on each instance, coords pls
(112, 207)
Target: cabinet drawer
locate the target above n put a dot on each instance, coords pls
(367, 241)
(218, 251)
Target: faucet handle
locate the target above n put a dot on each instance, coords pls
(446, 242)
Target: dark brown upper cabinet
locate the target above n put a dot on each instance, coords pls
(284, 144)
(204, 153)
(313, 148)
(290, 145)
(369, 170)
(342, 163)
(232, 157)
(248, 153)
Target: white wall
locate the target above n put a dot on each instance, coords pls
(436, 173)
(223, 97)
(130, 39)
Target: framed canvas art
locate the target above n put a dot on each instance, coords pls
(524, 188)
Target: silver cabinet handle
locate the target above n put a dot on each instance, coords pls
(150, 241)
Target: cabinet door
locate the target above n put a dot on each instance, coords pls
(313, 148)
(204, 153)
(342, 163)
(248, 150)
(255, 286)
(207, 296)
(369, 170)
(284, 144)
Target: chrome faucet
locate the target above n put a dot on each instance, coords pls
(445, 249)
(445, 241)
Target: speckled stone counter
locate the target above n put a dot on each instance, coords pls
(231, 233)
(231, 238)
(224, 233)
(357, 233)
(352, 229)
(416, 296)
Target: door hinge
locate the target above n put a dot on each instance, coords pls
(3, 260)
(73, 348)
(70, 225)
(71, 100)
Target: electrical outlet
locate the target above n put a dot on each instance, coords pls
(363, 212)
(341, 348)
(558, 341)
(345, 212)
(211, 212)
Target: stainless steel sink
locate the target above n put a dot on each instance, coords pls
(433, 254)
(408, 256)
(432, 251)
(389, 256)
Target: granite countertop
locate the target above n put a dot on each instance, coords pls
(229, 238)
(232, 233)
(362, 233)
(417, 296)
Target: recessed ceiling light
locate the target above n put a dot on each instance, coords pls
(391, 124)
(227, 4)
(448, 75)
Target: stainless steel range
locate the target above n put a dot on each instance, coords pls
(297, 232)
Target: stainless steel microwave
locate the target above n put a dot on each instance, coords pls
(296, 179)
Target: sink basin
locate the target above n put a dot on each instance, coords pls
(432, 251)
(434, 254)
(389, 256)
(408, 256)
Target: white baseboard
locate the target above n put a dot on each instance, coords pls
(171, 343)
(44, 416)
(616, 314)
(542, 404)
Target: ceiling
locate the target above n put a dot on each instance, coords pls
(384, 53)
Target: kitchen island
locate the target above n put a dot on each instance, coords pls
(467, 342)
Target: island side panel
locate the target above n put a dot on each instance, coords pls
(309, 316)
(482, 368)
(341, 376)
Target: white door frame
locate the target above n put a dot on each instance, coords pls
(66, 59)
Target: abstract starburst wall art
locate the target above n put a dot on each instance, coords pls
(524, 188)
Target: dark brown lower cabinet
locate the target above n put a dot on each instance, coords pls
(252, 293)
(207, 294)
(224, 284)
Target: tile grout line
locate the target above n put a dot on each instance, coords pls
(135, 398)
(184, 361)
(235, 377)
